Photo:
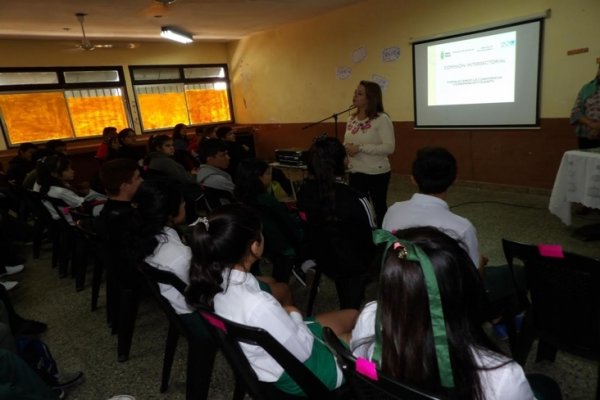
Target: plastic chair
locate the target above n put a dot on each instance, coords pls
(229, 335)
(565, 307)
(369, 383)
(64, 232)
(514, 251)
(201, 351)
(210, 199)
(42, 221)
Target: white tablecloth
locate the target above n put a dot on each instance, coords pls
(577, 181)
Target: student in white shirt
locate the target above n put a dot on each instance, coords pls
(426, 327)
(224, 247)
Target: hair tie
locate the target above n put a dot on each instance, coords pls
(409, 251)
(203, 220)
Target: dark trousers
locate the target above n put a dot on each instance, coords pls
(376, 187)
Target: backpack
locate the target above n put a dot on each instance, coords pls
(37, 355)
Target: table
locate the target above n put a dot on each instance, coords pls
(577, 181)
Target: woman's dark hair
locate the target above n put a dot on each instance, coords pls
(222, 131)
(157, 200)
(125, 133)
(408, 351)
(326, 163)
(248, 184)
(108, 133)
(155, 143)
(374, 98)
(178, 131)
(222, 243)
(49, 169)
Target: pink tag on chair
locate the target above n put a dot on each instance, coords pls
(302, 215)
(214, 322)
(367, 368)
(551, 250)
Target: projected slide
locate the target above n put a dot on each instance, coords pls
(472, 71)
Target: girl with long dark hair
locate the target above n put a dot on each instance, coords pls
(425, 329)
(224, 247)
(339, 221)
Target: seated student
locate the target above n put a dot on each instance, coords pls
(181, 142)
(161, 208)
(214, 161)
(339, 222)
(118, 220)
(224, 247)
(126, 139)
(22, 164)
(54, 146)
(105, 150)
(54, 178)
(425, 329)
(281, 228)
(160, 159)
(434, 171)
(237, 151)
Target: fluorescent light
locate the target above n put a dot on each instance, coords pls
(176, 34)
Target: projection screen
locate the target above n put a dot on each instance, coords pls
(487, 78)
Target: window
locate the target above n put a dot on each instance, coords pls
(38, 104)
(190, 94)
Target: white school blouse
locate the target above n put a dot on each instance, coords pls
(507, 382)
(244, 302)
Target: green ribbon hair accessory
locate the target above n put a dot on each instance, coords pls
(410, 252)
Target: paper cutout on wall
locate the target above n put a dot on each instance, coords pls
(359, 54)
(390, 54)
(380, 80)
(343, 73)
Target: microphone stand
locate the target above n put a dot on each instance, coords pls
(335, 119)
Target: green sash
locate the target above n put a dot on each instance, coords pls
(411, 252)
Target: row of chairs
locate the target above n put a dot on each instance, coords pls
(228, 335)
(561, 299)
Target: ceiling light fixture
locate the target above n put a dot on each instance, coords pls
(176, 34)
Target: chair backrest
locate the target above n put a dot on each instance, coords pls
(229, 335)
(522, 252)
(565, 302)
(210, 199)
(154, 276)
(34, 203)
(564, 296)
(365, 380)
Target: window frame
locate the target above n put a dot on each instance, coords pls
(184, 81)
(63, 86)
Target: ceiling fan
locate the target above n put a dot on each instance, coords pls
(86, 44)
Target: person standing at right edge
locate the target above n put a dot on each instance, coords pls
(586, 114)
(369, 139)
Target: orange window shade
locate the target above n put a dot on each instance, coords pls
(91, 114)
(208, 105)
(34, 117)
(162, 110)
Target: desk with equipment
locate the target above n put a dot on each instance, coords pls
(577, 181)
(293, 164)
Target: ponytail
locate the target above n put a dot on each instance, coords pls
(219, 243)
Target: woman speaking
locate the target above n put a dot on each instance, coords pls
(369, 139)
